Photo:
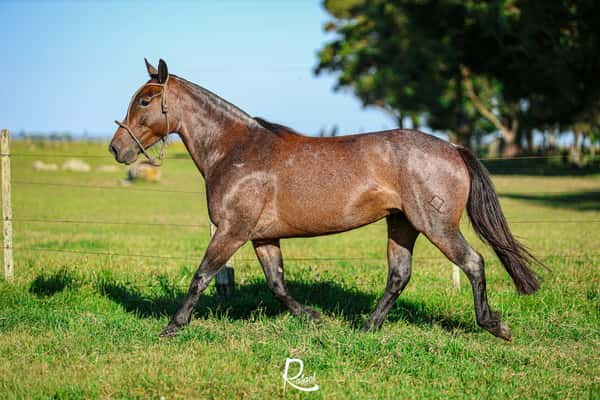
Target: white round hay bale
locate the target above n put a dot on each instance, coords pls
(74, 164)
(39, 165)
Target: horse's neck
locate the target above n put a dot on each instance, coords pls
(208, 125)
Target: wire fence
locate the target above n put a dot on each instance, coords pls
(177, 156)
(191, 258)
(127, 188)
(68, 221)
(165, 224)
(317, 260)
(154, 190)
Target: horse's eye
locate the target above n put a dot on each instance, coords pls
(144, 102)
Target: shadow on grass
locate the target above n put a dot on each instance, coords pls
(47, 285)
(349, 303)
(540, 167)
(582, 201)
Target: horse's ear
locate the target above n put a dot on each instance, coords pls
(163, 71)
(151, 70)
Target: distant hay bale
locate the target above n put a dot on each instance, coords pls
(76, 165)
(143, 171)
(107, 168)
(39, 165)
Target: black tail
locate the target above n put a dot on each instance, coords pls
(489, 223)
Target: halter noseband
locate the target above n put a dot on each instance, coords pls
(164, 108)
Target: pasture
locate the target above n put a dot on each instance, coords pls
(82, 322)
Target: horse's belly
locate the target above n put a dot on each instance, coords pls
(335, 209)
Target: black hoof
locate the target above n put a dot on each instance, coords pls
(502, 331)
(498, 328)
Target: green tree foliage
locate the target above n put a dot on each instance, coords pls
(469, 67)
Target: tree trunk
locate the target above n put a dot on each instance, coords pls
(512, 143)
(509, 130)
(576, 153)
(464, 129)
(552, 137)
(529, 137)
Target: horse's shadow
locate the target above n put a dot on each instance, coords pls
(350, 304)
(581, 201)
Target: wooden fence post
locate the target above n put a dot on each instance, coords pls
(9, 266)
(225, 278)
(455, 276)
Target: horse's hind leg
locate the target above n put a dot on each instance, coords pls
(401, 239)
(269, 255)
(455, 247)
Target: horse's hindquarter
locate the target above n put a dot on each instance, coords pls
(434, 182)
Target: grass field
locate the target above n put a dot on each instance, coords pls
(79, 323)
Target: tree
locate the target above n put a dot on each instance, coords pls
(470, 66)
(545, 54)
(394, 58)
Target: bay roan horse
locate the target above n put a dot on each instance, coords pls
(265, 182)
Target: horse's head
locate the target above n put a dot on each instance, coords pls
(147, 119)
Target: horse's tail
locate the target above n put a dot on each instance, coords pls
(490, 224)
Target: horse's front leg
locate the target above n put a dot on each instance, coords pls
(221, 248)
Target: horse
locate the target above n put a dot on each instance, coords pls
(265, 182)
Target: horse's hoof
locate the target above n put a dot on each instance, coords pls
(169, 331)
(502, 331)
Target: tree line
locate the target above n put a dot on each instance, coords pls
(472, 68)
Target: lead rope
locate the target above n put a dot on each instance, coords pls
(165, 109)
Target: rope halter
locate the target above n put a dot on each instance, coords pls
(164, 108)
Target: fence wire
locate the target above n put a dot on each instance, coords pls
(249, 259)
(165, 224)
(139, 189)
(205, 225)
(128, 188)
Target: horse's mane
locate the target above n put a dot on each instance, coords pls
(275, 128)
(228, 107)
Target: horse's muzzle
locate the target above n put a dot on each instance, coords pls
(127, 156)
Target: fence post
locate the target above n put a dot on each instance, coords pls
(9, 266)
(455, 276)
(225, 278)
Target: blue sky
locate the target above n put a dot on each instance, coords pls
(72, 66)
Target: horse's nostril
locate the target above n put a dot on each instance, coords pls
(112, 149)
(129, 156)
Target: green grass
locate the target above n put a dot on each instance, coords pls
(77, 325)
